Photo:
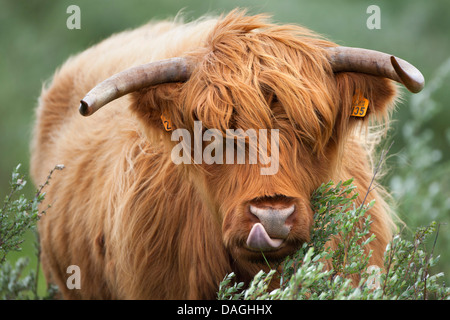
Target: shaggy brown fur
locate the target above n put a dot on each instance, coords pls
(141, 227)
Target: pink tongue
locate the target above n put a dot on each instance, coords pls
(259, 239)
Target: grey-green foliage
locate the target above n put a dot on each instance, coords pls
(420, 183)
(18, 215)
(408, 264)
(305, 275)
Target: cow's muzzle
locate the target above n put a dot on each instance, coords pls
(274, 222)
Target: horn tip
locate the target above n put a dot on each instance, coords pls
(84, 109)
(410, 76)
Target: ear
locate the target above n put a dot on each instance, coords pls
(353, 87)
(158, 108)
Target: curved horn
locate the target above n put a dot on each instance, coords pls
(376, 63)
(133, 79)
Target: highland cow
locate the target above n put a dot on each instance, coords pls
(140, 226)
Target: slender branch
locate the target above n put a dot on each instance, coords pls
(38, 265)
(375, 173)
(427, 262)
(47, 181)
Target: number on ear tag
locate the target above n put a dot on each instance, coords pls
(166, 123)
(359, 105)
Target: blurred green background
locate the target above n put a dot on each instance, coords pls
(34, 41)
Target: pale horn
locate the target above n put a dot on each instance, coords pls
(346, 59)
(133, 79)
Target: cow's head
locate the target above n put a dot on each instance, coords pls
(251, 75)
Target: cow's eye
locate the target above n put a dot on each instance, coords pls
(274, 98)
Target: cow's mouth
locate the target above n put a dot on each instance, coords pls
(260, 246)
(271, 231)
(259, 240)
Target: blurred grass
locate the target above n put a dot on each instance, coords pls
(34, 41)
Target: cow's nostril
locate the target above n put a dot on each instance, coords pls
(274, 219)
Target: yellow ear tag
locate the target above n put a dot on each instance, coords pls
(166, 123)
(359, 105)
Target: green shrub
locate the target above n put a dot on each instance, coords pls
(304, 276)
(419, 182)
(17, 216)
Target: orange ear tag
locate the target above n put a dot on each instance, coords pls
(359, 105)
(166, 123)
